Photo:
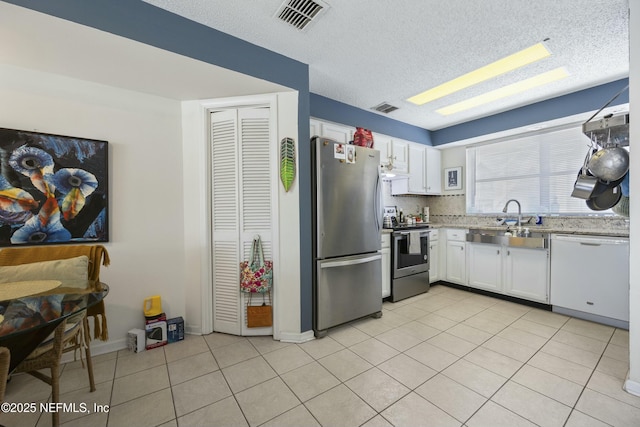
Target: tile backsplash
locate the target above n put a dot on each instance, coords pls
(408, 203)
(451, 210)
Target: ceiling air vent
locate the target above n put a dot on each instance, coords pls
(385, 108)
(300, 13)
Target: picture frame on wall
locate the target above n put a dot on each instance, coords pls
(453, 178)
(53, 189)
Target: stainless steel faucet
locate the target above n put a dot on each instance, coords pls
(519, 211)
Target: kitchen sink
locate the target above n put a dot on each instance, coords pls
(534, 240)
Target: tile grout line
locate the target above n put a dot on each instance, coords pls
(409, 320)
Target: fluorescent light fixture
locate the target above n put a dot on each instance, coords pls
(501, 66)
(506, 91)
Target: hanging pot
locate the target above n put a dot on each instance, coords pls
(610, 163)
(585, 183)
(602, 185)
(605, 200)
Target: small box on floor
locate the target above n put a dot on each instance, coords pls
(175, 329)
(156, 331)
(136, 340)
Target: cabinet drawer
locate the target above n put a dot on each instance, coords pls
(433, 234)
(456, 234)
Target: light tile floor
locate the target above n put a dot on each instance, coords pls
(445, 358)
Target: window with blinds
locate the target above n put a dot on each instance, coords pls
(538, 170)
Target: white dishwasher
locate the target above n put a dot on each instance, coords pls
(590, 274)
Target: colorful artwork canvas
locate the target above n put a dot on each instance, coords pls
(53, 189)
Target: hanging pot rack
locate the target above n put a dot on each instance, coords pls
(614, 128)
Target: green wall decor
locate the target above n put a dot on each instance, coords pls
(287, 162)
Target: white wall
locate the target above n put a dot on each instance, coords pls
(633, 383)
(145, 182)
(451, 158)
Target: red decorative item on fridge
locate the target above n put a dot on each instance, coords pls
(363, 137)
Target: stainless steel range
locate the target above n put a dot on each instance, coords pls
(409, 261)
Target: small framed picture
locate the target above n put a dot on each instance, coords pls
(453, 178)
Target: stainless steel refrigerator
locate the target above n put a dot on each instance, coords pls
(347, 223)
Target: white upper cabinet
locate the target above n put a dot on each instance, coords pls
(400, 152)
(419, 165)
(424, 172)
(433, 171)
(416, 184)
(336, 132)
(382, 143)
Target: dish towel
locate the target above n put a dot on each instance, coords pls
(414, 243)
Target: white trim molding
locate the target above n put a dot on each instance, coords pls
(297, 337)
(632, 387)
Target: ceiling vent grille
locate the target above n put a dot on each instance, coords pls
(300, 13)
(385, 108)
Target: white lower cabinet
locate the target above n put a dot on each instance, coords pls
(485, 266)
(519, 272)
(386, 264)
(434, 256)
(526, 274)
(456, 256)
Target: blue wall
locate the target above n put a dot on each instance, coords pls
(335, 111)
(148, 24)
(574, 103)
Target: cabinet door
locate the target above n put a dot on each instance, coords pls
(434, 261)
(400, 152)
(485, 266)
(456, 262)
(338, 133)
(433, 171)
(386, 272)
(382, 143)
(416, 169)
(527, 273)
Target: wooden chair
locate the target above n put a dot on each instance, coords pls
(78, 344)
(49, 353)
(5, 358)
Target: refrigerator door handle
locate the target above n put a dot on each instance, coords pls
(377, 208)
(350, 262)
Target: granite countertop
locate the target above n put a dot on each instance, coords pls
(542, 229)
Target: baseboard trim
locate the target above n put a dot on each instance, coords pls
(535, 304)
(632, 387)
(616, 323)
(97, 348)
(297, 338)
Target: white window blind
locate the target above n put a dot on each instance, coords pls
(537, 170)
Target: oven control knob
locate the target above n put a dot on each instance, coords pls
(425, 257)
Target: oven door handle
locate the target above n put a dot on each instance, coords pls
(350, 262)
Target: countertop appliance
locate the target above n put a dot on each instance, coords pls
(347, 225)
(590, 278)
(390, 217)
(409, 261)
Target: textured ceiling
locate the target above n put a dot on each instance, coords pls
(364, 52)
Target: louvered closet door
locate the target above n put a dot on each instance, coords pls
(255, 193)
(241, 208)
(224, 175)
